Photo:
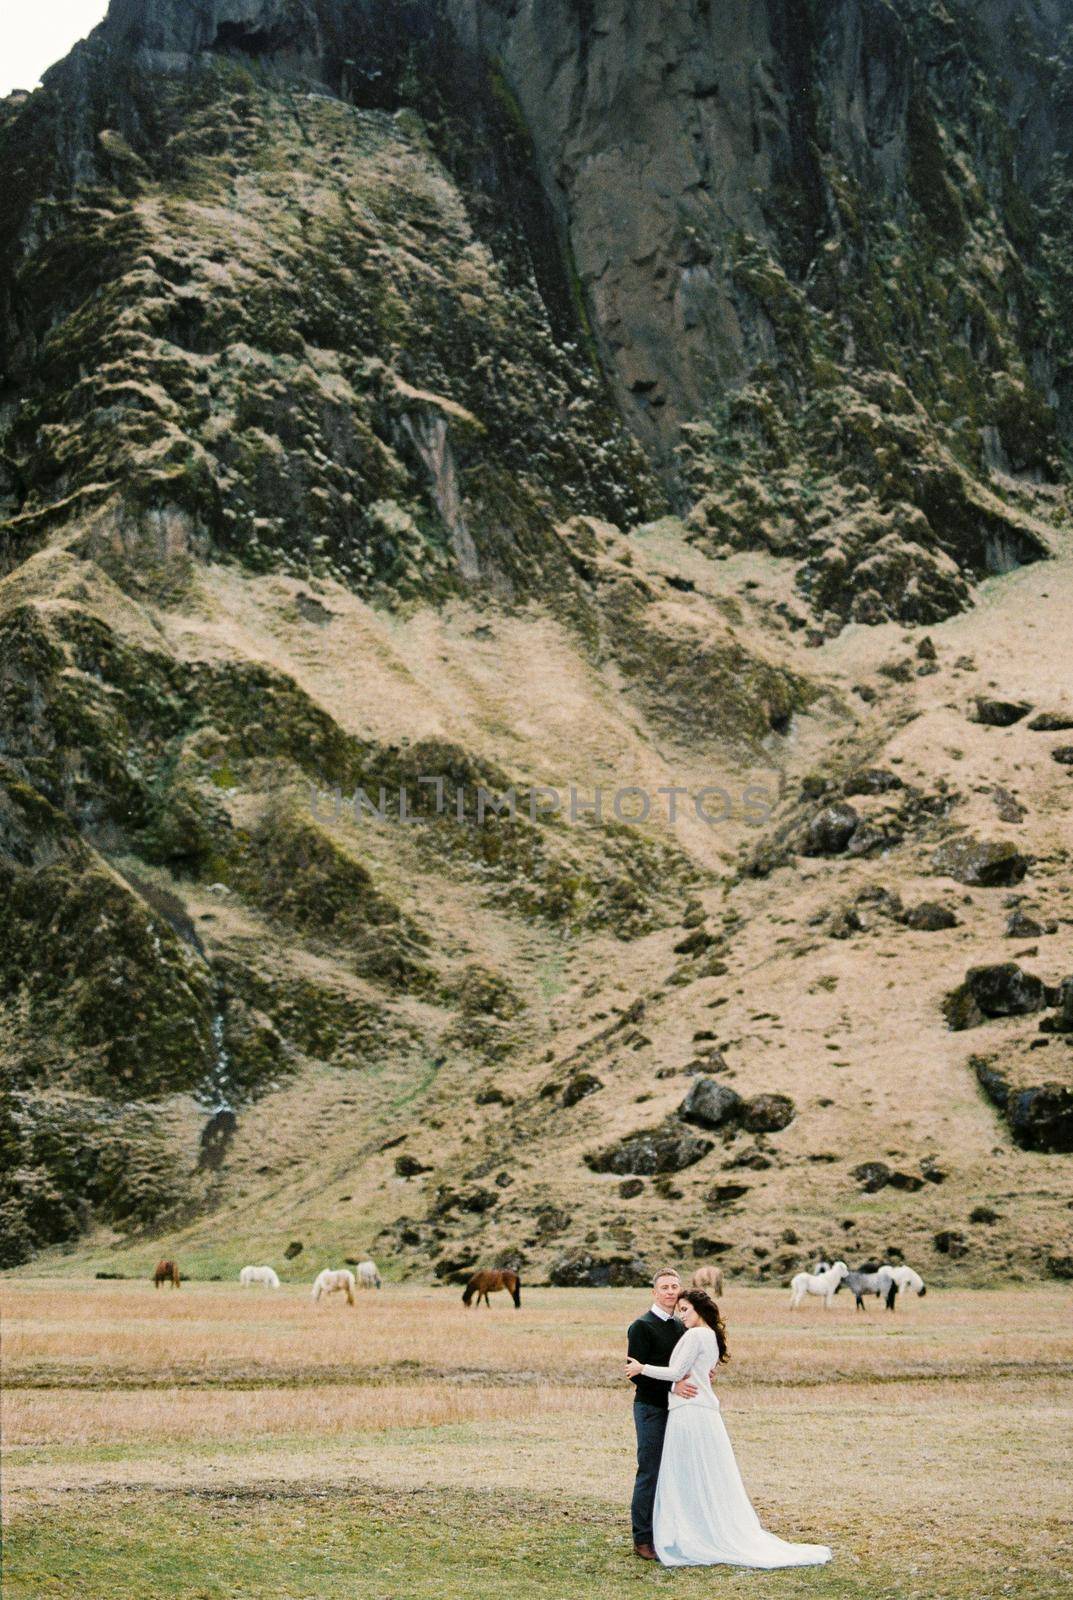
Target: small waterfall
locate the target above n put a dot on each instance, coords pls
(218, 1090)
(219, 1130)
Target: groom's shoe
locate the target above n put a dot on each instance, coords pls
(646, 1552)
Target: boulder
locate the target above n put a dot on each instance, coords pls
(1062, 1000)
(580, 1086)
(872, 1176)
(830, 830)
(872, 780)
(1019, 925)
(1001, 990)
(1041, 1118)
(982, 863)
(1052, 722)
(667, 1148)
(906, 1180)
(996, 713)
(583, 1270)
(768, 1113)
(410, 1167)
(703, 1247)
(724, 1194)
(949, 1242)
(930, 917)
(1058, 1265)
(710, 1104)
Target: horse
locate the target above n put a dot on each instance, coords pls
(879, 1283)
(907, 1280)
(710, 1279)
(333, 1282)
(263, 1275)
(166, 1272)
(368, 1276)
(824, 1284)
(489, 1281)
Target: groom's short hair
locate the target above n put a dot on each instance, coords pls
(666, 1272)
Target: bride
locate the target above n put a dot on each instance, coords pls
(703, 1515)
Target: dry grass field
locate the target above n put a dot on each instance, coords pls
(216, 1442)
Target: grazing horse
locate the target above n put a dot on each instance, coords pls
(166, 1272)
(487, 1282)
(263, 1275)
(879, 1283)
(368, 1275)
(331, 1282)
(710, 1279)
(907, 1280)
(824, 1284)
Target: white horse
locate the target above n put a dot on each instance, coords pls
(368, 1276)
(263, 1275)
(821, 1283)
(908, 1281)
(710, 1279)
(334, 1282)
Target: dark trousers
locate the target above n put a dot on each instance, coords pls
(651, 1425)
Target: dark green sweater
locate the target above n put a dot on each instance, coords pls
(651, 1339)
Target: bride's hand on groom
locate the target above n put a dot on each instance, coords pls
(684, 1389)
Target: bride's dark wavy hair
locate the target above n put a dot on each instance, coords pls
(705, 1307)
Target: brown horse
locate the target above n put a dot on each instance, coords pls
(487, 1282)
(166, 1272)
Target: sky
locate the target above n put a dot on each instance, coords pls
(34, 34)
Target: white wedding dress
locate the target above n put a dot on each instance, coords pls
(703, 1515)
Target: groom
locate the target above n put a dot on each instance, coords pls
(652, 1338)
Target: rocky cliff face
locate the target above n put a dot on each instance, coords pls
(636, 347)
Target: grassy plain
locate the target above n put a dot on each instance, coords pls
(214, 1442)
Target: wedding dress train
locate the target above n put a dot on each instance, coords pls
(703, 1515)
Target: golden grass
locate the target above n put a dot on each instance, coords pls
(945, 1431)
(104, 1333)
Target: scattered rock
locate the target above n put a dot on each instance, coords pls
(1063, 755)
(872, 780)
(704, 1247)
(295, 1248)
(630, 1188)
(710, 1104)
(983, 1214)
(768, 1113)
(724, 1194)
(930, 917)
(872, 1176)
(754, 1158)
(1052, 722)
(455, 1269)
(995, 713)
(410, 1167)
(492, 1097)
(983, 863)
(831, 830)
(1060, 1266)
(1019, 925)
(926, 650)
(694, 943)
(906, 1180)
(1001, 990)
(951, 1243)
(667, 1148)
(582, 1270)
(580, 1087)
(1007, 805)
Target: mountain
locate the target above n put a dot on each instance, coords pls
(418, 418)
